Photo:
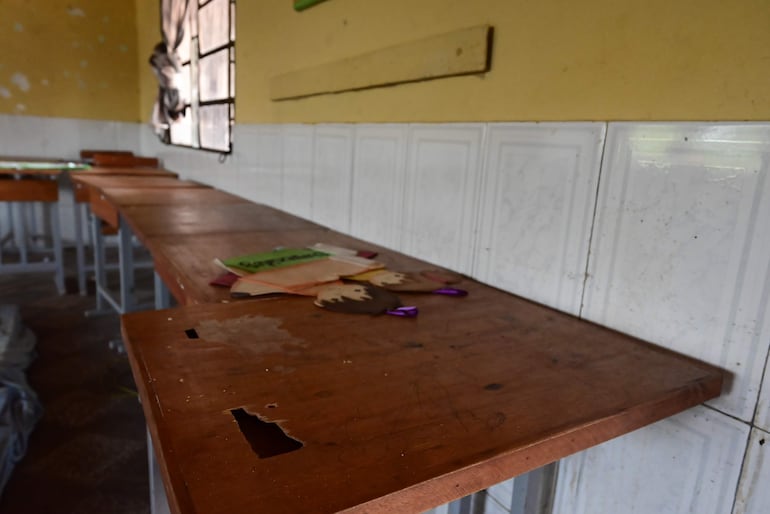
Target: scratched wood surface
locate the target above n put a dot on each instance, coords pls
(393, 415)
(185, 262)
(157, 220)
(126, 196)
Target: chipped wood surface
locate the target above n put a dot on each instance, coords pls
(394, 415)
(459, 52)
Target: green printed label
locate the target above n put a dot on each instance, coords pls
(276, 259)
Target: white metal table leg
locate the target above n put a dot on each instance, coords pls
(80, 256)
(100, 273)
(126, 267)
(162, 296)
(57, 249)
(20, 231)
(158, 499)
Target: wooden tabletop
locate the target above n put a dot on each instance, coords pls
(185, 262)
(102, 181)
(138, 171)
(148, 221)
(387, 415)
(94, 185)
(127, 196)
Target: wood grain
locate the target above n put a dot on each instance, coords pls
(394, 415)
(156, 220)
(30, 190)
(121, 160)
(81, 190)
(89, 154)
(103, 208)
(458, 52)
(149, 171)
(151, 182)
(127, 196)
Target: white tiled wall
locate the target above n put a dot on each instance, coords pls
(762, 419)
(676, 246)
(689, 463)
(379, 175)
(754, 494)
(681, 249)
(443, 175)
(297, 192)
(332, 176)
(62, 138)
(536, 207)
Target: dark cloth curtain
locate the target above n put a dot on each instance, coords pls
(169, 105)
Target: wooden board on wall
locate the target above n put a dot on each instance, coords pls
(459, 52)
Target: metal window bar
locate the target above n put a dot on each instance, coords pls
(195, 103)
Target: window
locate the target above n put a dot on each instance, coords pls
(207, 54)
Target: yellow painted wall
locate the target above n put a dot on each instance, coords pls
(69, 58)
(147, 19)
(553, 59)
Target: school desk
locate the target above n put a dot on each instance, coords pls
(23, 181)
(202, 214)
(80, 193)
(278, 406)
(104, 211)
(193, 219)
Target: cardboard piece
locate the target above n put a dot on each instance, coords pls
(301, 278)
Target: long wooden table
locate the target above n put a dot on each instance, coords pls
(81, 198)
(387, 414)
(192, 227)
(381, 414)
(104, 210)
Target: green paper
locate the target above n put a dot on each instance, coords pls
(300, 5)
(256, 262)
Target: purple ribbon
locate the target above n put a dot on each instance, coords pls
(404, 312)
(451, 291)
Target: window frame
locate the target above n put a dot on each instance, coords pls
(193, 104)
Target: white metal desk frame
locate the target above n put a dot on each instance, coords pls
(81, 213)
(18, 217)
(125, 301)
